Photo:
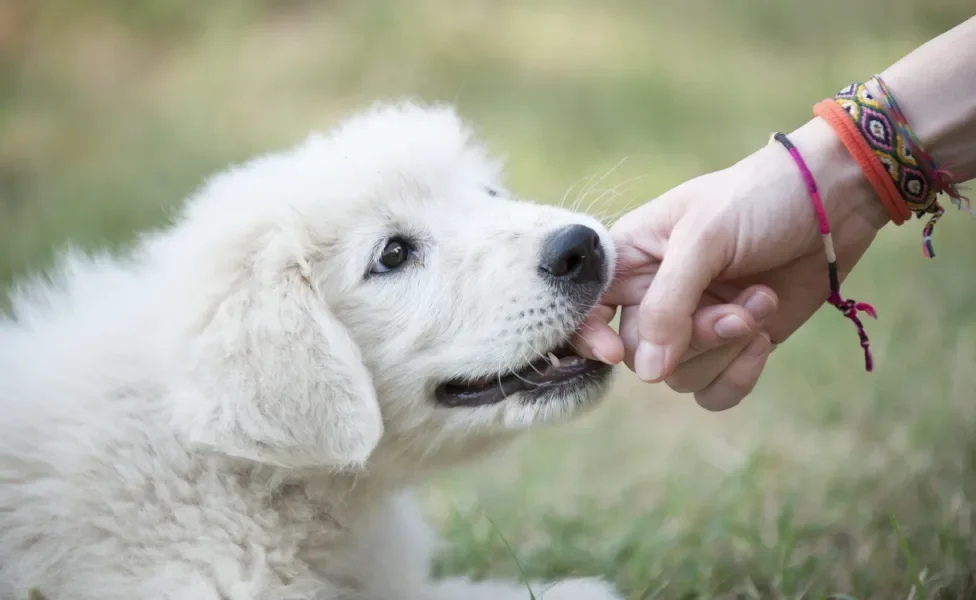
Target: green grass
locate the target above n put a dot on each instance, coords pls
(827, 482)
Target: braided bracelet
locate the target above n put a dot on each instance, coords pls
(849, 308)
(877, 134)
(939, 179)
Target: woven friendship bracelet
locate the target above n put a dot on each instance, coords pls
(913, 172)
(890, 144)
(894, 149)
(849, 308)
(940, 177)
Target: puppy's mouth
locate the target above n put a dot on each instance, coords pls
(560, 371)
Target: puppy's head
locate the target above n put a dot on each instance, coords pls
(379, 284)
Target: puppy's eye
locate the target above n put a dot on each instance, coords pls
(393, 256)
(491, 191)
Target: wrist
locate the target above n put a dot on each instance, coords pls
(847, 195)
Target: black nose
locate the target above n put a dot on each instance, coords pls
(573, 254)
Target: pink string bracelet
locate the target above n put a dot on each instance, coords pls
(849, 308)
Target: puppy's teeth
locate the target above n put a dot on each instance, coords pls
(553, 360)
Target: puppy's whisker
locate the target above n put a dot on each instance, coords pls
(614, 192)
(604, 194)
(562, 201)
(583, 190)
(598, 181)
(609, 218)
(520, 378)
(611, 209)
(591, 180)
(610, 171)
(534, 349)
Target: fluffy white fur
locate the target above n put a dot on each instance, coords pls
(234, 411)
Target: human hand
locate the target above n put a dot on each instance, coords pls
(684, 258)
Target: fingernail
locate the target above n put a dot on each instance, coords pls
(649, 361)
(731, 327)
(600, 357)
(758, 346)
(761, 305)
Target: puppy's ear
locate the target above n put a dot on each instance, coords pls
(276, 378)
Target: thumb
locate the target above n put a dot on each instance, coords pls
(665, 323)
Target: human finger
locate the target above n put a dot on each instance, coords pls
(596, 340)
(719, 325)
(739, 379)
(665, 323)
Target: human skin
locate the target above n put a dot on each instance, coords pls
(690, 259)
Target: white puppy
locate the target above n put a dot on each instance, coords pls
(236, 409)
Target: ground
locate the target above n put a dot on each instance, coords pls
(826, 482)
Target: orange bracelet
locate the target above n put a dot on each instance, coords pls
(873, 169)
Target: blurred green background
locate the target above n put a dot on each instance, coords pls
(827, 482)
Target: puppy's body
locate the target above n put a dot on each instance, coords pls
(238, 409)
